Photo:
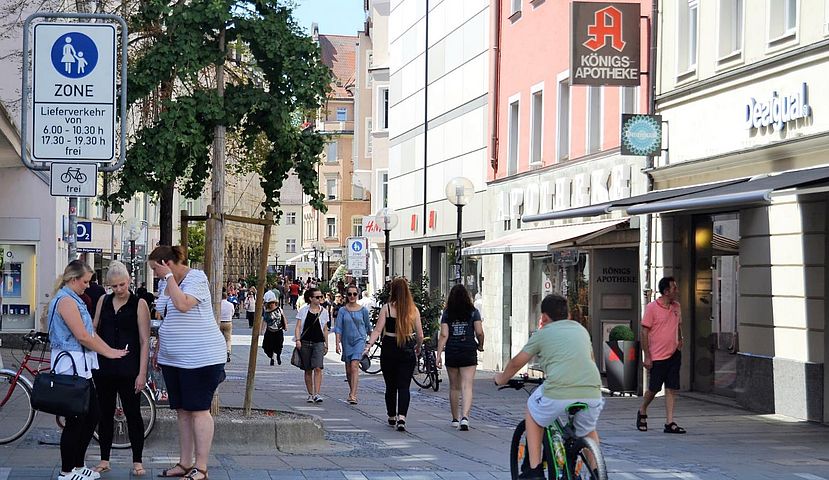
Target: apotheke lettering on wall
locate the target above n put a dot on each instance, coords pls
(778, 110)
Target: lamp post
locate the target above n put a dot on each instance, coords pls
(387, 219)
(327, 265)
(319, 248)
(134, 233)
(459, 192)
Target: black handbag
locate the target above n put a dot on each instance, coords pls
(296, 359)
(58, 394)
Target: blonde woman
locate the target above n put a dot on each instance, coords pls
(399, 324)
(71, 331)
(122, 319)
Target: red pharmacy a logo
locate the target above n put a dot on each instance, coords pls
(607, 26)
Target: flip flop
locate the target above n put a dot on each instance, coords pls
(102, 469)
(673, 428)
(138, 471)
(641, 422)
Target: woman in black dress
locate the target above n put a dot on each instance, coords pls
(122, 319)
(274, 327)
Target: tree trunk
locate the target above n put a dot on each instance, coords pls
(165, 214)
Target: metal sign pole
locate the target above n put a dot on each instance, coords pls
(72, 238)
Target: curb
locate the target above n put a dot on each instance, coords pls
(264, 430)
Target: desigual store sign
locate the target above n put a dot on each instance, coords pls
(777, 110)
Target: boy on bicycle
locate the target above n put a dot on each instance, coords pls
(565, 353)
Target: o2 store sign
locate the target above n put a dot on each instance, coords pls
(777, 110)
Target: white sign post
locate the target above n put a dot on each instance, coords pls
(357, 255)
(73, 111)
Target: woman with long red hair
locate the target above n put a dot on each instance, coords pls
(399, 324)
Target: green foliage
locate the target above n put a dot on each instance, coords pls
(429, 303)
(195, 243)
(621, 332)
(280, 80)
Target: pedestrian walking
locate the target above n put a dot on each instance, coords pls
(311, 334)
(662, 345)
(352, 326)
(293, 289)
(226, 323)
(71, 331)
(399, 324)
(273, 327)
(192, 353)
(462, 337)
(250, 305)
(283, 293)
(122, 318)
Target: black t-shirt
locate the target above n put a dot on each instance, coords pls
(312, 331)
(461, 331)
(119, 329)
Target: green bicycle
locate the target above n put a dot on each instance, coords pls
(564, 455)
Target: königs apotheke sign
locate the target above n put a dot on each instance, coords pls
(605, 44)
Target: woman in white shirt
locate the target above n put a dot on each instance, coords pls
(311, 334)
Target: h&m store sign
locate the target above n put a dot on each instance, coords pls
(777, 110)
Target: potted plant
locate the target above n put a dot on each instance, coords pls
(621, 360)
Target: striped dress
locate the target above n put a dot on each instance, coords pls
(191, 339)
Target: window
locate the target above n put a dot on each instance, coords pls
(512, 146)
(731, 28)
(331, 188)
(369, 65)
(290, 218)
(100, 211)
(563, 119)
(290, 245)
(369, 148)
(536, 126)
(342, 114)
(357, 226)
(629, 100)
(190, 210)
(594, 119)
(83, 207)
(782, 19)
(331, 152)
(383, 108)
(688, 17)
(515, 7)
(331, 227)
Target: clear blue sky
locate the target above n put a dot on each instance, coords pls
(335, 17)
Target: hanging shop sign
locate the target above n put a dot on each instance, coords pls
(777, 110)
(641, 134)
(605, 44)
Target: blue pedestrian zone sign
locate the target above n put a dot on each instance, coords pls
(74, 55)
(357, 246)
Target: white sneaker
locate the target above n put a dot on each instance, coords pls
(310, 399)
(454, 423)
(87, 472)
(72, 476)
(318, 398)
(464, 424)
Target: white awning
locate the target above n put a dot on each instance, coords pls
(297, 258)
(538, 240)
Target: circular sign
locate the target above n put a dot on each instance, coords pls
(642, 135)
(357, 246)
(74, 55)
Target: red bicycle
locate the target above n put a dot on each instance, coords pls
(16, 412)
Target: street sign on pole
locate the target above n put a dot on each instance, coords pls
(357, 254)
(73, 180)
(73, 83)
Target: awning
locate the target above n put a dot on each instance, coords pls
(754, 190)
(296, 258)
(624, 203)
(538, 240)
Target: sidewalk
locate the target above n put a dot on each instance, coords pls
(723, 442)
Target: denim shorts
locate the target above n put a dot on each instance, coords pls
(545, 410)
(192, 389)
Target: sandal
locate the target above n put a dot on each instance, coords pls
(196, 471)
(167, 474)
(641, 421)
(673, 428)
(138, 470)
(101, 468)
(352, 400)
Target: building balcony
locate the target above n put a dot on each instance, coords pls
(333, 126)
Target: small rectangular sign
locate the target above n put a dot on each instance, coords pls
(84, 232)
(641, 134)
(73, 180)
(605, 44)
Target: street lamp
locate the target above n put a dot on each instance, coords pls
(387, 219)
(459, 192)
(134, 233)
(318, 246)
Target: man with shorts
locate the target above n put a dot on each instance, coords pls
(565, 353)
(662, 345)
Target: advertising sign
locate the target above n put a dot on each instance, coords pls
(371, 228)
(84, 233)
(641, 134)
(605, 44)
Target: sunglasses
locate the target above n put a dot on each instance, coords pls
(317, 296)
(351, 294)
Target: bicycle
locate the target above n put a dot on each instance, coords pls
(374, 356)
(578, 457)
(73, 174)
(426, 374)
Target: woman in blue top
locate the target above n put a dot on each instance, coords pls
(71, 330)
(352, 326)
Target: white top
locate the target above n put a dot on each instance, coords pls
(64, 367)
(367, 302)
(303, 312)
(227, 312)
(191, 339)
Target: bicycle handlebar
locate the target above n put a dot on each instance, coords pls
(36, 338)
(520, 382)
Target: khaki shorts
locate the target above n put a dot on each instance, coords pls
(545, 410)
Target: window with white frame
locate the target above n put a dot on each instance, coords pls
(731, 28)
(190, 207)
(331, 152)
(357, 226)
(290, 218)
(594, 119)
(290, 245)
(383, 108)
(687, 30)
(512, 145)
(383, 184)
(342, 114)
(515, 6)
(330, 227)
(563, 119)
(536, 126)
(331, 188)
(83, 208)
(782, 19)
(370, 65)
(100, 211)
(369, 147)
(629, 99)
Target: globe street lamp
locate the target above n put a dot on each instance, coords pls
(318, 246)
(459, 192)
(387, 219)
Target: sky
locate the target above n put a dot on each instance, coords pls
(335, 17)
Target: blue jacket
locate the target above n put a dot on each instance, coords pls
(59, 334)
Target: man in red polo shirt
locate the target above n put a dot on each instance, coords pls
(662, 345)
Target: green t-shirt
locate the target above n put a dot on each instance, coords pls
(564, 351)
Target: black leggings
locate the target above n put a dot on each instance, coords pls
(76, 436)
(108, 387)
(397, 366)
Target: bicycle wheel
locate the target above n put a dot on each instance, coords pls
(434, 373)
(421, 374)
(16, 412)
(120, 430)
(518, 455)
(588, 461)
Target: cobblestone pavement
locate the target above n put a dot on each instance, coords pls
(723, 442)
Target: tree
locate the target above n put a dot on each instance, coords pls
(195, 244)
(276, 80)
(429, 303)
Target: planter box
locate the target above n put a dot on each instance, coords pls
(621, 360)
